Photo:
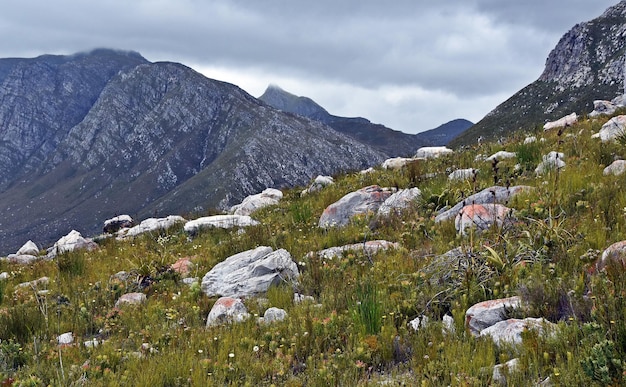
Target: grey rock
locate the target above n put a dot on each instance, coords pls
(113, 225)
(131, 299)
(397, 163)
(500, 371)
(65, 338)
(72, 241)
(252, 203)
(510, 331)
(615, 253)
(562, 122)
(319, 183)
(487, 313)
(22, 259)
(501, 155)
(495, 194)
(602, 107)
(150, 225)
(368, 247)
(274, 314)
(29, 248)
(613, 128)
(617, 167)
(428, 152)
(463, 174)
(552, 161)
(399, 201)
(250, 273)
(227, 310)
(362, 202)
(219, 221)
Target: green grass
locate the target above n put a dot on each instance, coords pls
(356, 331)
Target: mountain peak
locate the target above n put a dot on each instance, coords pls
(280, 99)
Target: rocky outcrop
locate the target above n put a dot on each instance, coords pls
(252, 203)
(219, 221)
(250, 273)
(362, 202)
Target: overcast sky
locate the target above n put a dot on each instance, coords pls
(408, 64)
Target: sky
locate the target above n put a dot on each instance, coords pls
(411, 65)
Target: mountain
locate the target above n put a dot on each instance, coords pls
(587, 64)
(89, 136)
(392, 142)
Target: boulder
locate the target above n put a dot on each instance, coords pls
(252, 203)
(486, 313)
(219, 221)
(182, 266)
(66, 338)
(614, 253)
(481, 217)
(602, 107)
(227, 310)
(397, 163)
(562, 122)
(617, 167)
(510, 331)
(22, 259)
(250, 273)
(117, 223)
(551, 161)
(29, 248)
(274, 314)
(70, 242)
(319, 183)
(463, 174)
(495, 194)
(613, 128)
(500, 371)
(417, 323)
(429, 152)
(399, 201)
(130, 299)
(150, 225)
(369, 248)
(362, 202)
(367, 171)
(501, 155)
(530, 140)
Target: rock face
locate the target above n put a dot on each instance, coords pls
(111, 131)
(481, 217)
(617, 167)
(369, 248)
(428, 152)
(362, 202)
(252, 203)
(562, 122)
(399, 201)
(587, 62)
(113, 225)
(495, 194)
(219, 221)
(150, 225)
(613, 128)
(227, 310)
(487, 313)
(249, 273)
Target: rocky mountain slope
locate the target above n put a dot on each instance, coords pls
(587, 64)
(392, 142)
(93, 135)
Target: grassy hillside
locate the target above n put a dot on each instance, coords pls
(356, 331)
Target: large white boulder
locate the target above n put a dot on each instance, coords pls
(510, 331)
(361, 202)
(501, 155)
(219, 221)
(562, 122)
(613, 128)
(150, 225)
(250, 273)
(72, 241)
(485, 314)
(399, 201)
(29, 248)
(602, 107)
(463, 174)
(252, 203)
(617, 167)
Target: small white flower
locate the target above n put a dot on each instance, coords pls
(255, 348)
(200, 351)
(231, 355)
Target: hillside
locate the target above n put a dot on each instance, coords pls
(97, 134)
(393, 143)
(525, 298)
(587, 64)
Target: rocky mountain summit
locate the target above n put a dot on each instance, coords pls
(392, 142)
(92, 135)
(587, 64)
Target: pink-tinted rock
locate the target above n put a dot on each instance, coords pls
(481, 217)
(616, 253)
(364, 201)
(225, 310)
(182, 266)
(486, 313)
